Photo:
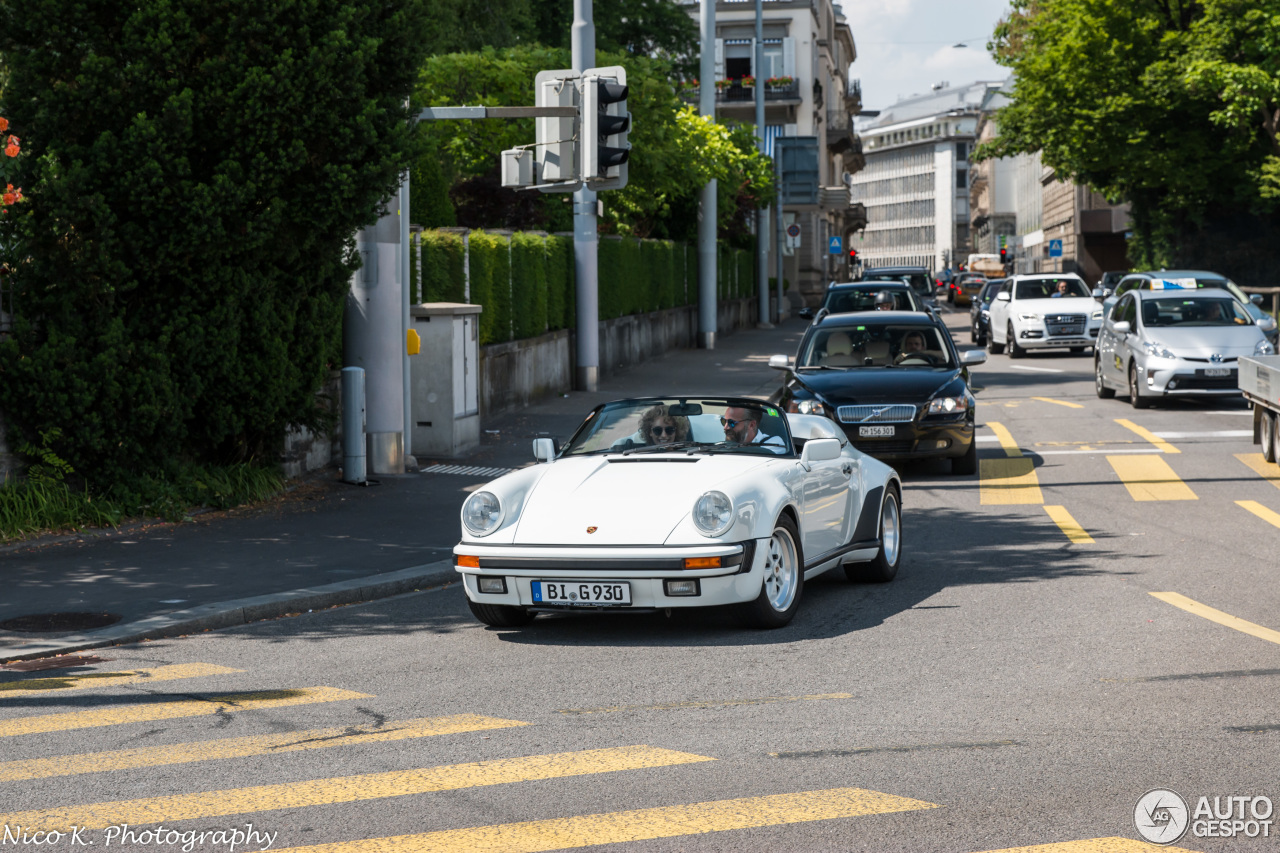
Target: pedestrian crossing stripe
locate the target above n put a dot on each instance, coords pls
(242, 747)
(1147, 434)
(349, 789)
(637, 825)
(112, 679)
(1095, 845)
(1261, 512)
(1008, 481)
(1204, 611)
(151, 712)
(1149, 478)
(467, 470)
(1067, 523)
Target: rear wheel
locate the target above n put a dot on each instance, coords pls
(975, 334)
(1275, 439)
(968, 463)
(1136, 399)
(1015, 351)
(1268, 436)
(1104, 392)
(500, 615)
(779, 597)
(885, 566)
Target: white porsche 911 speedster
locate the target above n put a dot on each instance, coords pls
(660, 503)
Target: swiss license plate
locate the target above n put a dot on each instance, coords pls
(1217, 371)
(1062, 330)
(875, 432)
(593, 593)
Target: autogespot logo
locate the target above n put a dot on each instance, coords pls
(1161, 816)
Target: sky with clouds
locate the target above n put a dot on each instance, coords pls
(906, 46)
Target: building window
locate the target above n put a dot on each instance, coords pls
(962, 151)
(962, 179)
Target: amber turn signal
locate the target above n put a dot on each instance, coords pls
(702, 562)
(466, 561)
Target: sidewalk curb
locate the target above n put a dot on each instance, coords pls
(241, 611)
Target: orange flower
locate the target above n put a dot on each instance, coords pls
(9, 198)
(11, 150)
(4, 124)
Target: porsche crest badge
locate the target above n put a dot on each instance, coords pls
(592, 529)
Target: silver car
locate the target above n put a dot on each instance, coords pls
(1162, 343)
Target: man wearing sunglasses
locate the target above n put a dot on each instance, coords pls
(742, 426)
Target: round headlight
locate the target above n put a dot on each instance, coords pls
(481, 513)
(713, 513)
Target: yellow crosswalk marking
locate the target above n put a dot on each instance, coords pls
(1148, 435)
(1149, 478)
(1268, 471)
(1094, 845)
(113, 679)
(1261, 511)
(240, 747)
(150, 712)
(1205, 611)
(1008, 481)
(1064, 520)
(638, 825)
(1007, 443)
(350, 789)
(1058, 402)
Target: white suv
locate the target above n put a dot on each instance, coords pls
(1047, 310)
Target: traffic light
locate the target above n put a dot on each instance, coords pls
(1004, 254)
(853, 256)
(605, 122)
(556, 151)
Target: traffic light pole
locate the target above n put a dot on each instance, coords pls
(762, 213)
(586, 240)
(707, 205)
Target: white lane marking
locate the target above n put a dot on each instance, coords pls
(1062, 452)
(994, 439)
(1036, 369)
(1222, 433)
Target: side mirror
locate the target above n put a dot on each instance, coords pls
(1255, 298)
(1121, 328)
(1106, 293)
(1003, 296)
(819, 450)
(1099, 294)
(544, 449)
(780, 362)
(806, 313)
(973, 356)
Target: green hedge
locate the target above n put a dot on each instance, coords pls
(526, 283)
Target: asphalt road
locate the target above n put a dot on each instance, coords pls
(1019, 684)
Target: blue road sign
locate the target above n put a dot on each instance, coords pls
(1055, 248)
(835, 247)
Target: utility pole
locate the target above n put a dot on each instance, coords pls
(762, 214)
(707, 206)
(586, 240)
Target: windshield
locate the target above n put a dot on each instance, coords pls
(1045, 288)
(847, 301)
(919, 282)
(1197, 311)
(900, 345)
(689, 425)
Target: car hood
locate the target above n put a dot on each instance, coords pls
(1204, 341)
(1062, 305)
(878, 384)
(625, 500)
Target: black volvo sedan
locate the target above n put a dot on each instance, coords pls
(893, 380)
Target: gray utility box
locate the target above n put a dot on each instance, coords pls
(446, 396)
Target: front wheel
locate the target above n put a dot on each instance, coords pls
(779, 597)
(1104, 393)
(500, 615)
(992, 344)
(1015, 351)
(885, 566)
(1136, 399)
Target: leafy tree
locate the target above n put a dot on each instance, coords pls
(195, 174)
(650, 28)
(1149, 101)
(454, 26)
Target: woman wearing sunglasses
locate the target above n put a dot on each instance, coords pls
(657, 426)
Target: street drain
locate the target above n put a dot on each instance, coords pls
(39, 623)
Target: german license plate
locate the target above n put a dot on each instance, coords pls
(875, 432)
(1217, 371)
(592, 593)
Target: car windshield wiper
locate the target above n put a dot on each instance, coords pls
(822, 367)
(655, 448)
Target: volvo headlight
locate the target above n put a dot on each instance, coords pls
(482, 513)
(1264, 347)
(1157, 349)
(1031, 318)
(948, 405)
(806, 407)
(713, 513)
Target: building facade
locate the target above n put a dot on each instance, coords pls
(808, 50)
(993, 211)
(915, 186)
